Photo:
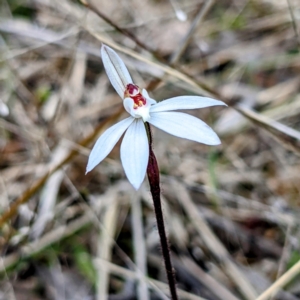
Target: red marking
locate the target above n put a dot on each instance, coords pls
(133, 91)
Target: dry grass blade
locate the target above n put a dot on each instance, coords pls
(105, 244)
(25, 30)
(286, 110)
(279, 92)
(140, 251)
(114, 269)
(197, 20)
(219, 290)
(294, 22)
(288, 137)
(281, 282)
(49, 193)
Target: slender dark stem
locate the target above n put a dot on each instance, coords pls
(153, 177)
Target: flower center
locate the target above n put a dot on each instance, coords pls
(133, 91)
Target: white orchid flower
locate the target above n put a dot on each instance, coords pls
(135, 145)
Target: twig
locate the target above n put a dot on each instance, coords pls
(127, 33)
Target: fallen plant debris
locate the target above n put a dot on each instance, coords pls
(231, 212)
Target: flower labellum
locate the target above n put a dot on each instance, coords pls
(137, 102)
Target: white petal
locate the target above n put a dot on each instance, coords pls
(135, 153)
(184, 126)
(106, 142)
(128, 105)
(115, 69)
(146, 95)
(185, 102)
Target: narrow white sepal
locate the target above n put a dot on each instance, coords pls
(106, 142)
(184, 102)
(184, 126)
(135, 153)
(115, 69)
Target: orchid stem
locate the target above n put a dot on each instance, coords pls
(153, 177)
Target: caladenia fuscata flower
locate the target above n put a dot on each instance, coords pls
(142, 108)
(136, 149)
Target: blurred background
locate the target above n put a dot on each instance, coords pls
(231, 211)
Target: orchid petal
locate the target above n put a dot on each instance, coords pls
(135, 153)
(106, 142)
(184, 126)
(146, 95)
(115, 69)
(185, 102)
(128, 105)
